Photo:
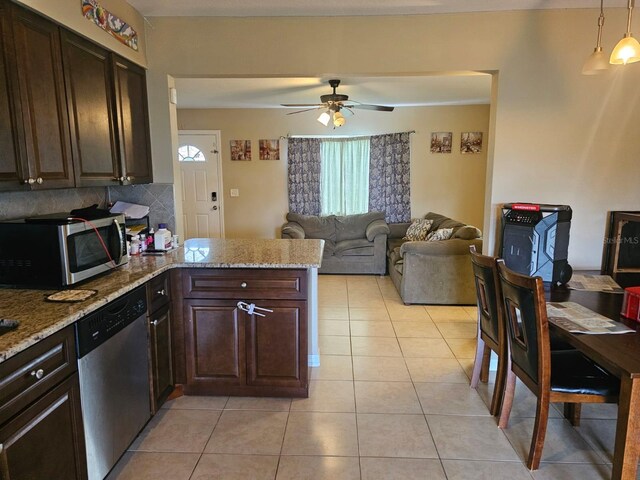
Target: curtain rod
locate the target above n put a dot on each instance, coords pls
(283, 137)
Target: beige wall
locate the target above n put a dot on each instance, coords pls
(69, 13)
(559, 136)
(451, 184)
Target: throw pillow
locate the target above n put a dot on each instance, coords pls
(418, 230)
(440, 234)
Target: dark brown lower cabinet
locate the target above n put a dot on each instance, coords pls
(45, 441)
(229, 352)
(161, 360)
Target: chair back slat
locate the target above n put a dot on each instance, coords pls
(487, 293)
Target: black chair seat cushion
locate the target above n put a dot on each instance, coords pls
(572, 372)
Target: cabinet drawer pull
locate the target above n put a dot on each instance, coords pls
(128, 178)
(30, 181)
(37, 373)
(243, 284)
(161, 292)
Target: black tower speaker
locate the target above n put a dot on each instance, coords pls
(535, 240)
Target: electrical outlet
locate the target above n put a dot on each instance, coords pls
(235, 192)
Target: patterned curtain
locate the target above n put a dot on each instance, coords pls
(390, 177)
(304, 175)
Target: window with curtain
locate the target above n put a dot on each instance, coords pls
(344, 176)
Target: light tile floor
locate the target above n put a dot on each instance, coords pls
(390, 401)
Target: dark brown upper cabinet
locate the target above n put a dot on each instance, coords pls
(133, 121)
(90, 101)
(11, 170)
(42, 99)
(71, 112)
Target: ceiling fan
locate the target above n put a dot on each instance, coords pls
(333, 103)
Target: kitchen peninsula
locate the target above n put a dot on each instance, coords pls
(242, 259)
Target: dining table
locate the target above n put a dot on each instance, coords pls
(620, 355)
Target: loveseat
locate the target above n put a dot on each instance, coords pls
(353, 243)
(434, 272)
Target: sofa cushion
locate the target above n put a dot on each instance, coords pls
(395, 256)
(440, 221)
(393, 243)
(440, 234)
(418, 230)
(315, 226)
(360, 247)
(467, 232)
(329, 248)
(351, 227)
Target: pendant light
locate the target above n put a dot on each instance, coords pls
(597, 61)
(628, 49)
(324, 118)
(338, 119)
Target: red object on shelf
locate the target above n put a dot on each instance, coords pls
(631, 303)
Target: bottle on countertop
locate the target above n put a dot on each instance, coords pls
(150, 238)
(135, 245)
(162, 238)
(143, 243)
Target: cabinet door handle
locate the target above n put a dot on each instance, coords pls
(161, 292)
(243, 285)
(30, 181)
(39, 180)
(128, 178)
(154, 323)
(37, 373)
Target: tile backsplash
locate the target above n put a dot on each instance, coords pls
(41, 202)
(157, 196)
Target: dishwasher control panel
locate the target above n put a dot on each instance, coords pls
(97, 327)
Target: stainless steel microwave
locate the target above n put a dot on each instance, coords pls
(59, 250)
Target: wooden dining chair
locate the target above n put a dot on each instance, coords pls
(491, 331)
(553, 376)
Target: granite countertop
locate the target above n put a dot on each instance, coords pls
(40, 318)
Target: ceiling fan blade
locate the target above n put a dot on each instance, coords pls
(378, 108)
(305, 110)
(302, 104)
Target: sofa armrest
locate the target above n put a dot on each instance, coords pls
(376, 228)
(292, 230)
(454, 246)
(398, 230)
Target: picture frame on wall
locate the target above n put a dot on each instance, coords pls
(269, 149)
(240, 150)
(441, 142)
(470, 142)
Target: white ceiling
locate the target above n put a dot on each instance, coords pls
(277, 8)
(461, 88)
(393, 91)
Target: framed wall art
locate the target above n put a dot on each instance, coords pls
(470, 142)
(441, 142)
(269, 149)
(240, 149)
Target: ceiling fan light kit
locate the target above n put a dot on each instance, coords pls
(626, 51)
(333, 103)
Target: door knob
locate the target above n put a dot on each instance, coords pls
(215, 207)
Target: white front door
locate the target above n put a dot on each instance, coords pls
(201, 181)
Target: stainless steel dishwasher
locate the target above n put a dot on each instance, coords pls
(114, 379)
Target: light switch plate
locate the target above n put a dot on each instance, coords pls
(235, 192)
